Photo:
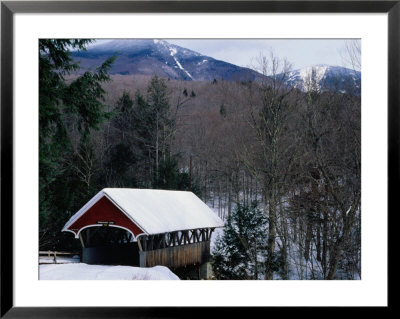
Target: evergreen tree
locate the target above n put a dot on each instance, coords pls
(240, 252)
(125, 103)
(169, 176)
(122, 151)
(120, 159)
(145, 127)
(222, 110)
(64, 108)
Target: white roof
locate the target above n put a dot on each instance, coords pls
(157, 211)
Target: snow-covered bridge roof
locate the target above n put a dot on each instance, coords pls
(144, 211)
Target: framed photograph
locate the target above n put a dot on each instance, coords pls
(235, 119)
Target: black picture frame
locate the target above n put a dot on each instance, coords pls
(9, 8)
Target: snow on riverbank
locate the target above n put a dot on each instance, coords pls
(81, 271)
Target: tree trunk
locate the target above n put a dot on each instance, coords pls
(308, 237)
(271, 237)
(319, 239)
(324, 243)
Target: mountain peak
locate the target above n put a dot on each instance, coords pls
(159, 57)
(326, 77)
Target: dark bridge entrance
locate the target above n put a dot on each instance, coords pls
(109, 246)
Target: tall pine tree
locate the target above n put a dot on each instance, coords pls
(63, 107)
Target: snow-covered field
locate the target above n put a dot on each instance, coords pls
(81, 271)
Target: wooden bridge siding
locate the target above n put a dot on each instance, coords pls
(178, 256)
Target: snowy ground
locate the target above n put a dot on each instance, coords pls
(81, 271)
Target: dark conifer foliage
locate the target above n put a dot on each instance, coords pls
(240, 253)
(65, 108)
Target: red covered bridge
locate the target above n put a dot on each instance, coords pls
(151, 227)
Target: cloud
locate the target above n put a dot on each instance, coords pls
(300, 52)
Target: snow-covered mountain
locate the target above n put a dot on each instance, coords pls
(326, 77)
(149, 57)
(159, 57)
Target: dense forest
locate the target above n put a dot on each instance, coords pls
(281, 166)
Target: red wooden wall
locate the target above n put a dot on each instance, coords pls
(104, 211)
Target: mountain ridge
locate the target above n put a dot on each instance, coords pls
(164, 59)
(159, 57)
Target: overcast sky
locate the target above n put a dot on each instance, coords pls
(300, 52)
